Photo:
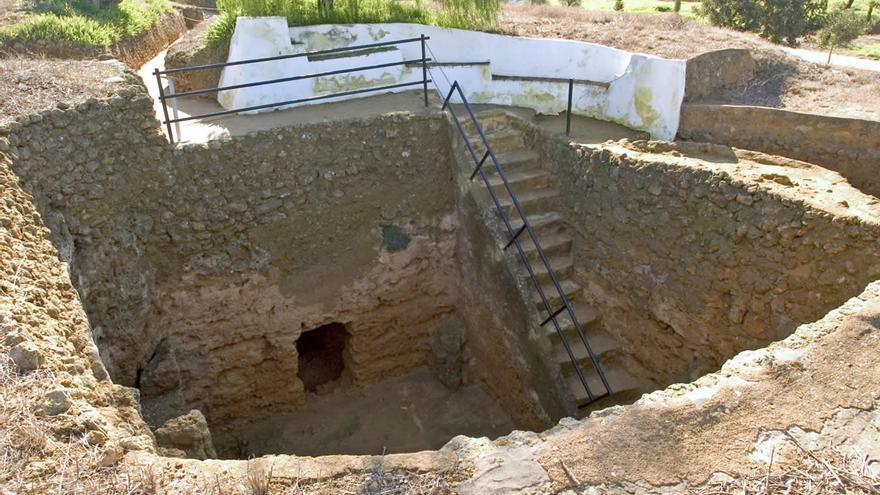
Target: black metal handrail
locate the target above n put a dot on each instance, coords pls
(163, 97)
(571, 82)
(514, 240)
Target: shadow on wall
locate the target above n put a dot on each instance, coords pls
(847, 146)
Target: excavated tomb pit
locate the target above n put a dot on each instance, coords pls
(345, 292)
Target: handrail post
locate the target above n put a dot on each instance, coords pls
(174, 111)
(449, 96)
(424, 71)
(164, 105)
(568, 112)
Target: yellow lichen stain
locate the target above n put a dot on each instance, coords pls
(539, 100)
(644, 109)
(335, 38)
(377, 35)
(486, 72)
(342, 83)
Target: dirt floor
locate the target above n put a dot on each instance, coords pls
(32, 85)
(408, 413)
(782, 81)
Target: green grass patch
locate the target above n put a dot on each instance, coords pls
(871, 51)
(79, 23)
(466, 14)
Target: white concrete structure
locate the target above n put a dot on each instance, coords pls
(643, 92)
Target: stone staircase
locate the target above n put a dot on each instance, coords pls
(540, 199)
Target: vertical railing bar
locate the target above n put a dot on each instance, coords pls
(164, 106)
(553, 316)
(479, 165)
(518, 232)
(446, 100)
(424, 71)
(174, 108)
(568, 112)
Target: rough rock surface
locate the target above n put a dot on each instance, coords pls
(709, 72)
(45, 331)
(197, 263)
(188, 433)
(695, 252)
(848, 146)
(117, 209)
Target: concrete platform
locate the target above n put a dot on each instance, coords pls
(584, 129)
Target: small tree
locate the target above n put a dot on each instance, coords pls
(841, 28)
(777, 20)
(572, 3)
(677, 6)
(871, 6)
(618, 5)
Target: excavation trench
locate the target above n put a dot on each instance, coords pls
(339, 288)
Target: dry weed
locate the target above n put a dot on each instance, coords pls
(31, 85)
(258, 479)
(809, 473)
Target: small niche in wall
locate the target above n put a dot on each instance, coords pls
(321, 355)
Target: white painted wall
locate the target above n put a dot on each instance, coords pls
(645, 92)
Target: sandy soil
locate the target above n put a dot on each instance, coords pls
(783, 81)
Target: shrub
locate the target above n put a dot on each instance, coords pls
(572, 3)
(777, 20)
(467, 14)
(841, 28)
(618, 5)
(83, 24)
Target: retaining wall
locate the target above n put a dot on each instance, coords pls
(644, 92)
(692, 261)
(200, 265)
(848, 146)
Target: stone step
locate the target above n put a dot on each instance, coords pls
(544, 223)
(501, 140)
(587, 316)
(552, 244)
(563, 266)
(536, 202)
(514, 161)
(623, 385)
(600, 342)
(571, 289)
(490, 120)
(521, 181)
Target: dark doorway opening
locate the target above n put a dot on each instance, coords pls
(320, 355)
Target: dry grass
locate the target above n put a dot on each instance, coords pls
(782, 81)
(808, 473)
(32, 85)
(33, 460)
(664, 35)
